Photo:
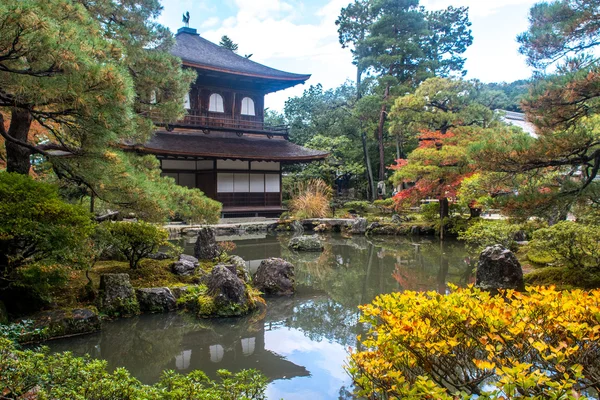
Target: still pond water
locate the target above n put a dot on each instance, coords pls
(301, 343)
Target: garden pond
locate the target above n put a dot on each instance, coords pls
(301, 342)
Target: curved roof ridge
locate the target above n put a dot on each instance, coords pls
(198, 52)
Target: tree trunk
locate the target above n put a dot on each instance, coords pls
(369, 169)
(380, 133)
(398, 152)
(17, 157)
(363, 136)
(444, 213)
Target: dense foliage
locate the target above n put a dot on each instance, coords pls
(88, 94)
(568, 244)
(484, 233)
(542, 344)
(134, 240)
(558, 167)
(400, 44)
(29, 373)
(38, 231)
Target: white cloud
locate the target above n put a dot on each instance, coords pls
(266, 29)
(210, 23)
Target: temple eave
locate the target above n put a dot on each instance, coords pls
(227, 146)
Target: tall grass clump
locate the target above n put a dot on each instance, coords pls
(310, 199)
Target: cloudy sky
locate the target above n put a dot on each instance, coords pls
(300, 36)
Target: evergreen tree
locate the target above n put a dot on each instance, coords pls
(86, 77)
(402, 45)
(565, 108)
(227, 43)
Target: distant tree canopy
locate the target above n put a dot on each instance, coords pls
(506, 96)
(402, 44)
(227, 43)
(85, 76)
(564, 105)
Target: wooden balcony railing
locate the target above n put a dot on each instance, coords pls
(207, 122)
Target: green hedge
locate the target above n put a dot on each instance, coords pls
(40, 375)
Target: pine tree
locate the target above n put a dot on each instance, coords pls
(227, 43)
(402, 45)
(88, 74)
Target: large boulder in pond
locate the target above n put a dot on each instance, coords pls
(498, 268)
(306, 243)
(359, 226)
(116, 295)
(206, 245)
(228, 291)
(186, 265)
(275, 276)
(156, 300)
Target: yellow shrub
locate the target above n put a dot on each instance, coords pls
(543, 344)
(310, 199)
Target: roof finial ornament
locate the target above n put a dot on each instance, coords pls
(186, 19)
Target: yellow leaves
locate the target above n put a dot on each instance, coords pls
(482, 364)
(515, 339)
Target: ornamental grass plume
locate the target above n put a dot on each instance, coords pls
(310, 199)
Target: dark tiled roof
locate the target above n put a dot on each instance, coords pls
(228, 145)
(200, 53)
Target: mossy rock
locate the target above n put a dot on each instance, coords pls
(156, 300)
(116, 296)
(60, 323)
(306, 243)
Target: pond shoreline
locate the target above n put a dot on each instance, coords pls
(67, 322)
(311, 224)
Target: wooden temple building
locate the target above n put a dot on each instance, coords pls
(223, 146)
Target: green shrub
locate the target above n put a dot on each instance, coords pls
(38, 231)
(386, 204)
(356, 205)
(570, 244)
(135, 240)
(564, 277)
(22, 331)
(542, 344)
(34, 374)
(485, 233)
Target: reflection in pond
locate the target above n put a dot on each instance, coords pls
(300, 342)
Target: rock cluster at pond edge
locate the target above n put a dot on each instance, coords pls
(228, 291)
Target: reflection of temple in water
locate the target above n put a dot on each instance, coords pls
(234, 350)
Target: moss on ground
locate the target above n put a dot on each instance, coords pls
(150, 273)
(564, 277)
